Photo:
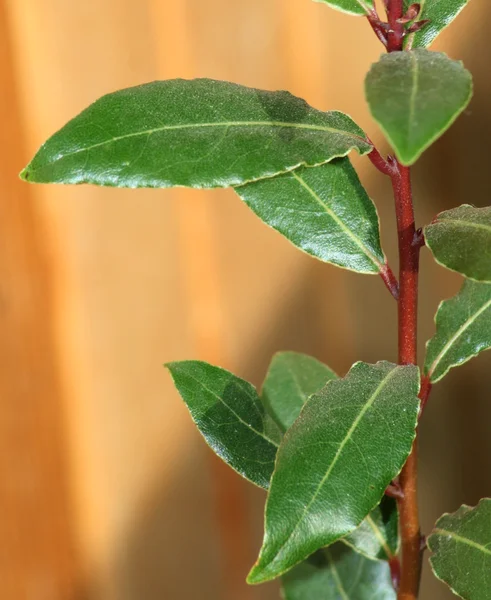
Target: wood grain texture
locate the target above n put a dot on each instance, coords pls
(37, 556)
(129, 290)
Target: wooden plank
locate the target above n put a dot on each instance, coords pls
(37, 557)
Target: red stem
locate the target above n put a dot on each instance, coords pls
(408, 266)
(409, 246)
(410, 243)
(395, 32)
(407, 324)
(408, 313)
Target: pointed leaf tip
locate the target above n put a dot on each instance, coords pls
(198, 133)
(230, 416)
(336, 461)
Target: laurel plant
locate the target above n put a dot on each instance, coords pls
(336, 455)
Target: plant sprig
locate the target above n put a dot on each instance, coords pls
(336, 455)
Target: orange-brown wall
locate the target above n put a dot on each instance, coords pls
(107, 492)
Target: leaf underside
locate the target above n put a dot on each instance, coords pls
(461, 543)
(378, 536)
(324, 211)
(338, 573)
(415, 97)
(440, 13)
(463, 330)
(199, 133)
(460, 239)
(335, 462)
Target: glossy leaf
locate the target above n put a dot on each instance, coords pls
(292, 377)
(440, 13)
(335, 462)
(213, 396)
(338, 573)
(352, 7)
(461, 543)
(199, 133)
(415, 97)
(460, 239)
(324, 211)
(463, 329)
(377, 537)
(229, 414)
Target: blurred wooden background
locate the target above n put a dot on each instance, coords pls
(107, 492)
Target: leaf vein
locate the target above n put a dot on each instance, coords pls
(339, 222)
(227, 124)
(464, 224)
(335, 576)
(455, 337)
(380, 537)
(339, 451)
(248, 425)
(414, 92)
(463, 540)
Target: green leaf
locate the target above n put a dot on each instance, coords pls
(226, 411)
(462, 545)
(200, 133)
(463, 330)
(229, 414)
(324, 211)
(291, 379)
(352, 7)
(440, 14)
(415, 97)
(338, 573)
(335, 462)
(377, 537)
(460, 239)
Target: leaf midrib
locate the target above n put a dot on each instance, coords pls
(463, 540)
(339, 451)
(210, 125)
(380, 537)
(460, 222)
(455, 337)
(296, 382)
(412, 97)
(335, 576)
(250, 427)
(340, 223)
(365, 7)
